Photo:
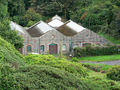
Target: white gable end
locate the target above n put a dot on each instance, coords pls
(56, 17)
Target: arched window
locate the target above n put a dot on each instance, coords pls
(29, 48)
(42, 48)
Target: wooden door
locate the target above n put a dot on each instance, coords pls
(53, 48)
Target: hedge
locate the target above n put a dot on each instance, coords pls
(96, 51)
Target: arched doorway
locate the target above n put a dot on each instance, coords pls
(53, 48)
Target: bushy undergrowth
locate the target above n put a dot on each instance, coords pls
(9, 54)
(39, 77)
(96, 51)
(98, 67)
(63, 64)
(7, 80)
(114, 73)
(98, 83)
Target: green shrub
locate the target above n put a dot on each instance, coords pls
(98, 83)
(47, 78)
(9, 54)
(7, 80)
(114, 73)
(96, 51)
(97, 67)
(63, 64)
(75, 59)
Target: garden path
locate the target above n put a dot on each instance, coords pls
(105, 62)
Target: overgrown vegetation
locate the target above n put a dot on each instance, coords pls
(5, 32)
(114, 73)
(63, 64)
(98, 67)
(8, 54)
(96, 51)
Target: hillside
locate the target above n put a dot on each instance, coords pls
(8, 54)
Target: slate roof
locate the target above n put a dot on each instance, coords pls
(39, 29)
(70, 28)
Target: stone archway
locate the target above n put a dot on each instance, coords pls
(53, 48)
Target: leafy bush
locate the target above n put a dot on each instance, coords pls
(63, 64)
(9, 54)
(75, 59)
(114, 73)
(46, 77)
(7, 81)
(97, 67)
(98, 83)
(38, 77)
(96, 51)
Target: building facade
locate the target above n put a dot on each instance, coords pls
(56, 36)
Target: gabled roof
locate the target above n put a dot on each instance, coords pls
(70, 28)
(57, 17)
(15, 26)
(39, 29)
(56, 23)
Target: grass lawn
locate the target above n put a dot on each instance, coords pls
(100, 58)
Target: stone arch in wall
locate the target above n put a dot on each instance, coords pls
(29, 48)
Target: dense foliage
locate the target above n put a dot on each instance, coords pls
(98, 67)
(9, 54)
(38, 77)
(99, 83)
(96, 51)
(45, 77)
(114, 73)
(5, 31)
(63, 64)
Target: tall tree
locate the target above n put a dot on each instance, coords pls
(16, 7)
(5, 31)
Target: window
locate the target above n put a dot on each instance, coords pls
(64, 48)
(42, 48)
(29, 48)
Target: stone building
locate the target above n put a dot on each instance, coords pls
(56, 36)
